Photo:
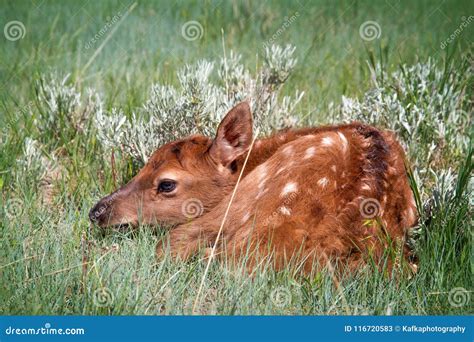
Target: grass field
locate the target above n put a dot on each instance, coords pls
(413, 76)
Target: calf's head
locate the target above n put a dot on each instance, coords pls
(182, 179)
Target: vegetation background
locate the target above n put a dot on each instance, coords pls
(53, 166)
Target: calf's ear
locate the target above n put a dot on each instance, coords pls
(234, 135)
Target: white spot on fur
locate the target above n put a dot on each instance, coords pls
(285, 211)
(170, 175)
(261, 174)
(289, 187)
(280, 170)
(391, 170)
(246, 217)
(288, 150)
(411, 215)
(310, 152)
(333, 168)
(327, 141)
(343, 138)
(323, 182)
(365, 143)
(261, 193)
(366, 186)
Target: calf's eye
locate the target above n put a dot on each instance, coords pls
(166, 186)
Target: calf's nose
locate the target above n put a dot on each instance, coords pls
(97, 213)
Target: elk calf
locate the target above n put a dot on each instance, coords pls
(328, 192)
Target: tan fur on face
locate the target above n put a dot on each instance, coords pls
(184, 162)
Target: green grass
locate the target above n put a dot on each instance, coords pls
(42, 241)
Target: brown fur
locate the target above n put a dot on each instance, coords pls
(303, 192)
